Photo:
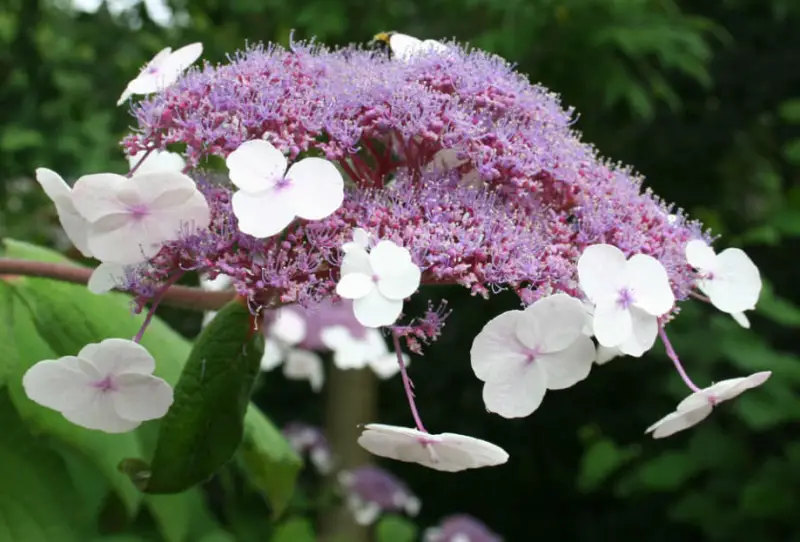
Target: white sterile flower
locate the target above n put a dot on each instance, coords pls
(351, 352)
(108, 386)
(361, 238)
(519, 355)
(604, 353)
(405, 47)
(157, 161)
(286, 330)
(628, 297)
(162, 71)
(75, 226)
(106, 277)
(699, 405)
(729, 279)
(304, 365)
(130, 218)
(269, 196)
(378, 282)
(447, 452)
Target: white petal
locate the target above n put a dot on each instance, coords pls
(273, 354)
(612, 324)
(650, 284)
(95, 196)
(386, 366)
(60, 384)
(360, 241)
(643, 337)
(262, 214)
(164, 70)
(461, 452)
(404, 47)
(100, 415)
(336, 337)
(552, 323)
(387, 259)
(106, 277)
(700, 255)
(355, 286)
(374, 310)
(256, 165)
(518, 396)
(304, 365)
(606, 354)
(289, 327)
(567, 367)
(601, 272)
(736, 283)
(364, 512)
(317, 188)
(729, 389)
(434, 46)
(496, 352)
(678, 421)
(118, 239)
(157, 161)
(218, 284)
(117, 356)
(75, 226)
(53, 185)
(141, 397)
(400, 285)
(182, 58)
(356, 260)
(741, 319)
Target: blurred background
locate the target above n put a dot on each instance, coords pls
(703, 98)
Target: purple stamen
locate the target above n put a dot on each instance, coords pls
(625, 299)
(106, 384)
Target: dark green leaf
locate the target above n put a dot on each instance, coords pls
(294, 530)
(393, 528)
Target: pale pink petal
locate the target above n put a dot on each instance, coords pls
(60, 384)
(601, 272)
(645, 331)
(156, 161)
(256, 165)
(517, 396)
(288, 327)
(53, 185)
(106, 277)
(387, 259)
(182, 58)
(612, 324)
(678, 421)
(741, 319)
(736, 284)
(356, 260)
(100, 415)
(400, 285)
(117, 356)
(472, 453)
(97, 195)
(317, 188)
(700, 255)
(304, 365)
(355, 286)
(140, 397)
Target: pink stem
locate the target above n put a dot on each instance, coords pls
(156, 300)
(139, 163)
(407, 384)
(677, 362)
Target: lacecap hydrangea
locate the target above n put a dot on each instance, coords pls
(353, 174)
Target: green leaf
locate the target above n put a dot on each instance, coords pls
(37, 501)
(271, 463)
(392, 528)
(602, 458)
(181, 517)
(294, 530)
(205, 424)
(26, 348)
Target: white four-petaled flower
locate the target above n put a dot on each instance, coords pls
(628, 297)
(729, 279)
(108, 386)
(285, 332)
(269, 196)
(519, 355)
(351, 352)
(378, 281)
(130, 218)
(447, 452)
(698, 406)
(162, 71)
(405, 47)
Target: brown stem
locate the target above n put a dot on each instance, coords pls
(184, 297)
(352, 400)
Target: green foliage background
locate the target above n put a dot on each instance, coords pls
(703, 98)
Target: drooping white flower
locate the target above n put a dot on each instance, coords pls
(519, 355)
(75, 226)
(157, 161)
(405, 47)
(698, 406)
(162, 71)
(130, 218)
(447, 452)
(730, 279)
(628, 297)
(351, 352)
(378, 281)
(108, 386)
(269, 196)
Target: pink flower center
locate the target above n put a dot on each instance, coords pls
(105, 385)
(283, 183)
(138, 212)
(625, 299)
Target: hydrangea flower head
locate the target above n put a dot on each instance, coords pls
(371, 491)
(460, 528)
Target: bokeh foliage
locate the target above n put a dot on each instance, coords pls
(704, 98)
